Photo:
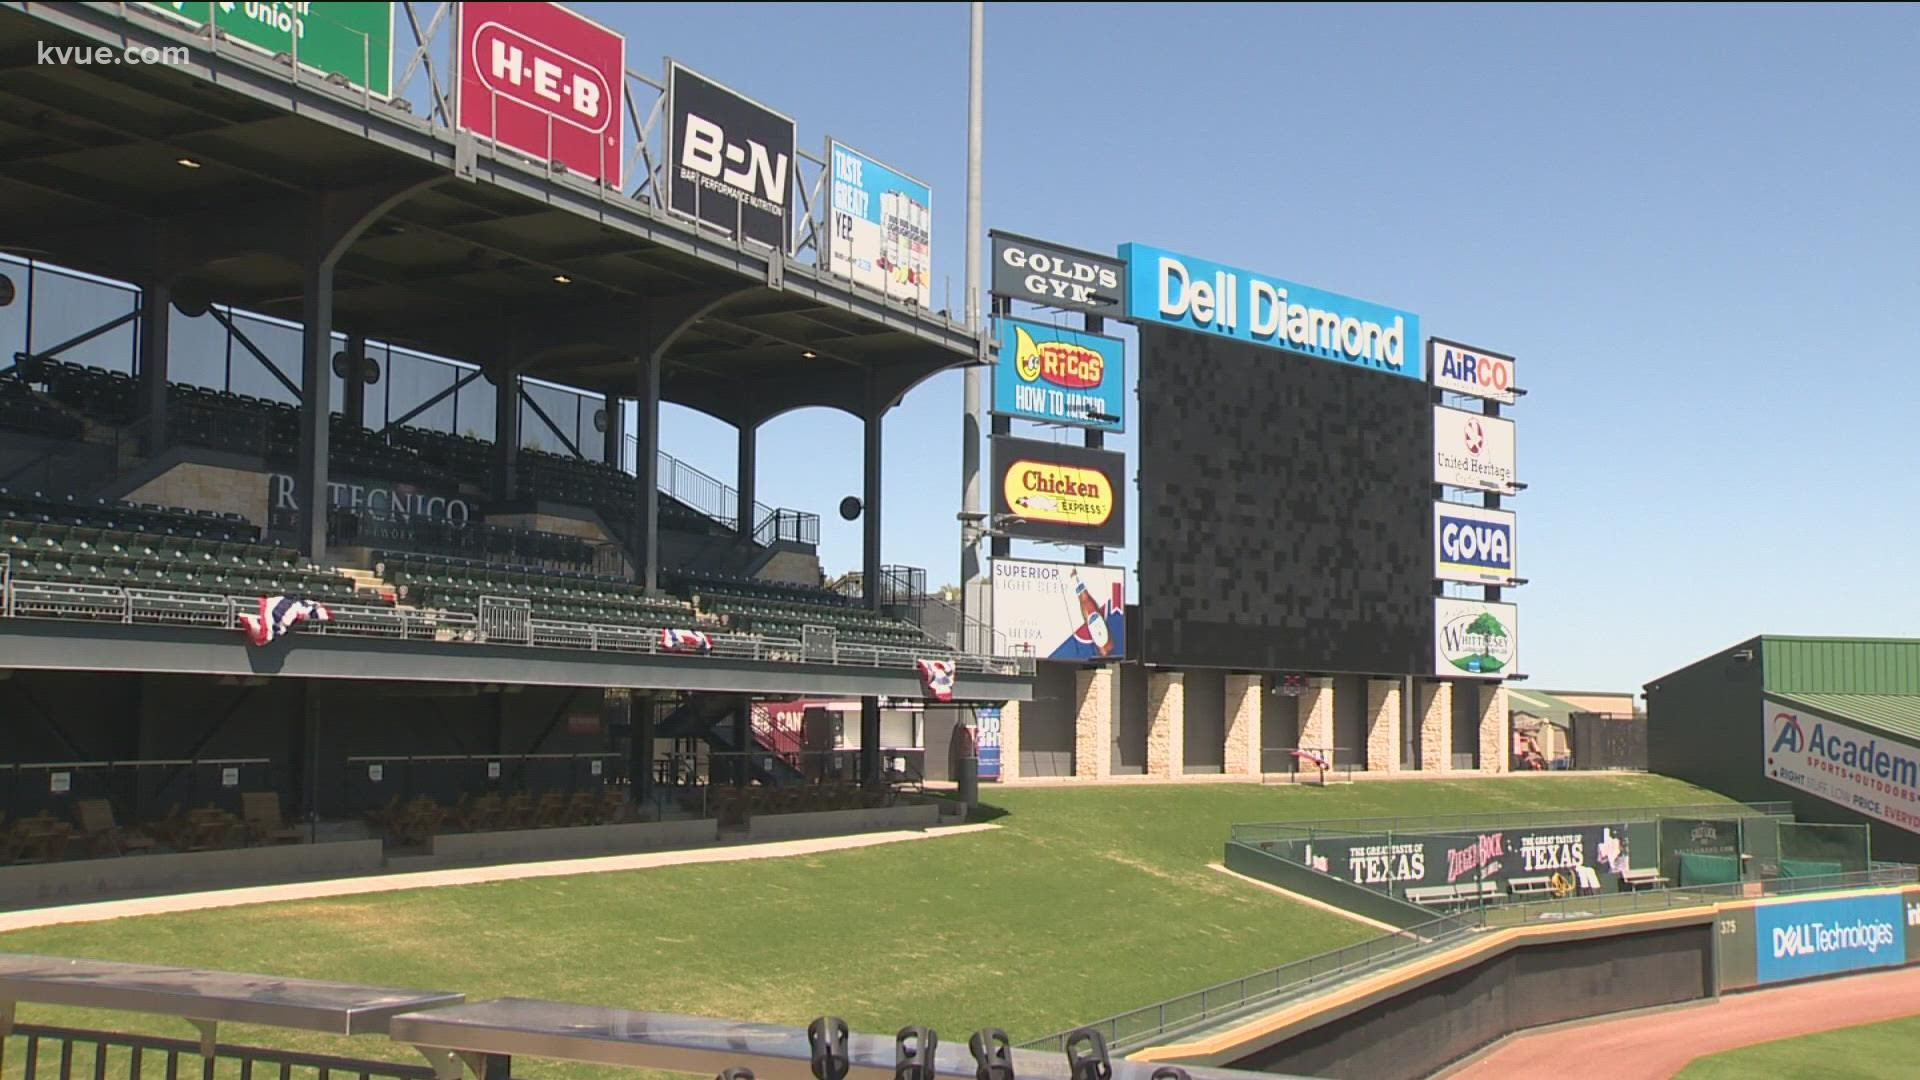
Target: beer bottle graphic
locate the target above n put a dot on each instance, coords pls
(1096, 622)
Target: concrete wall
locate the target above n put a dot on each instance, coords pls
(1205, 728)
(1495, 729)
(1094, 690)
(1350, 720)
(1166, 723)
(77, 882)
(1243, 694)
(1279, 727)
(1316, 714)
(839, 822)
(1434, 712)
(208, 487)
(1047, 736)
(1130, 740)
(1383, 725)
(541, 845)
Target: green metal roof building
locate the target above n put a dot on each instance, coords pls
(1832, 724)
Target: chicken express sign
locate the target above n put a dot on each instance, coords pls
(1062, 494)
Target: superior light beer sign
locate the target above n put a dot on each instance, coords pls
(1195, 294)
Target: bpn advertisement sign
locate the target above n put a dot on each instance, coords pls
(1209, 297)
(350, 38)
(882, 230)
(1865, 772)
(1064, 494)
(1473, 544)
(544, 81)
(1055, 375)
(1059, 611)
(1826, 937)
(729, 157)
(1473, 451)
(1475, 638)
(1464, 369)
(1052, 275)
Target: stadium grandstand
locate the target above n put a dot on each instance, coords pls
(278, 346)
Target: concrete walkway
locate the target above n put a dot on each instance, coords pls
(476, 875)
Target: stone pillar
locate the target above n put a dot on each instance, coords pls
(1010, 741)
(1243, 706)
(1496, 736)
(1383, 725)
(1093, 700)
(1436, 725)
(1316, 717)
(1166, 724)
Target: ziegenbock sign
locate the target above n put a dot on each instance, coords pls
(1052, 275)
(729, 158)
(543, 81)
(1865, 772)
(350, 39)
(1210, 297)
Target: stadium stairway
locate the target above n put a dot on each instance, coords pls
(708, 717)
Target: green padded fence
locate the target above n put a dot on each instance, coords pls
(1697, 869)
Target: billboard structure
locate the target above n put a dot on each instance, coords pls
(1201, 295)
(1053, 375)
(1059, 611)
(351, 39)
(1051, 275)
(1464, 369)
(1413, 860)
(729, 158)
(1475, 638)
(544, 81)
(1063, 494)
(1473, 544)
(881, 235)
(1865, 772)
(1473, 451)
(1805, 938)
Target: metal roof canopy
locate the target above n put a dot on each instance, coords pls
(692, 1044)
(205, 998)
(90, 178)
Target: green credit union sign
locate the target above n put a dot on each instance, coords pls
(353, 39)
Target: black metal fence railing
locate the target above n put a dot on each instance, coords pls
(58, 1053)
(1256, 833)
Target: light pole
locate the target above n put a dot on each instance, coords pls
(970, 404)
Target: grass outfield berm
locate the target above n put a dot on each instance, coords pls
(1085, 902)
(1883, 1051)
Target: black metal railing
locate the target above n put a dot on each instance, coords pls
(58, 1053)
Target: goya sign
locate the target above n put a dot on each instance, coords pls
(1195, 294)
(1060, 376)
(351, 39)
(1472, 544)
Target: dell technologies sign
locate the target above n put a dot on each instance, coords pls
(1472, 544)
(1195, 294)
(1054, 276)
(730, 158)
(1827, 937)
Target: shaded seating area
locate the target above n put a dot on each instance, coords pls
(458, 584)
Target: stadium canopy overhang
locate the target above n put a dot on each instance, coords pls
(219, 179)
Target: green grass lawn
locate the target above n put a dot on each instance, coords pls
(1086, 902)
(1882, 1051)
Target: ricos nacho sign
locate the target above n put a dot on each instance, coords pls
(1867, 773)
(1055, 375)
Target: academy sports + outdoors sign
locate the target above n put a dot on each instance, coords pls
(1797, 940)
(1865, 772)
(1196, 294)
(1054, 375)
(1473, 544)
(542, 80)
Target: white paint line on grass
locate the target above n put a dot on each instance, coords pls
(475, 875)
(1308, 900)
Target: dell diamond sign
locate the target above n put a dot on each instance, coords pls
(1828, 937)
(730, 159)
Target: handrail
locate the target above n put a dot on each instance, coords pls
(53, 600)
(1300, 978)
(1260, 831)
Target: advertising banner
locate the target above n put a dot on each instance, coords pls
(1051, 275)
(1865, 772)
(381, 498)
(1798, 940)
(987, 721)
(1059, 611)
(1475, 638)
(1414, 860)
(1464, 369)
(1472, 451)
(1064, 494)
(1210, 297)
(882, 230)
(350, 38)
(1055, 375)
(1473, 544)
(729, 157)
(545, 81)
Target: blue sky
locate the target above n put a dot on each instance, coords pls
(1696, 228)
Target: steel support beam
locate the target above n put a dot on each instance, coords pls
(612, 438)
(644, 536)
(356, 381)
(749, 464)
(156, 309)
(506, 431)
(870, 511)
(870, 740)
(316, 407)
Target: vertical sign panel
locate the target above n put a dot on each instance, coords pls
(729, 158)
(1828, 937)
(881, 235)
(1059, 611)
(1473, 451)
(543, 81)
(1055, 375)
(349, 38)
(1475, 638)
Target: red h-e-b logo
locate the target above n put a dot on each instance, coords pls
(545, 81)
